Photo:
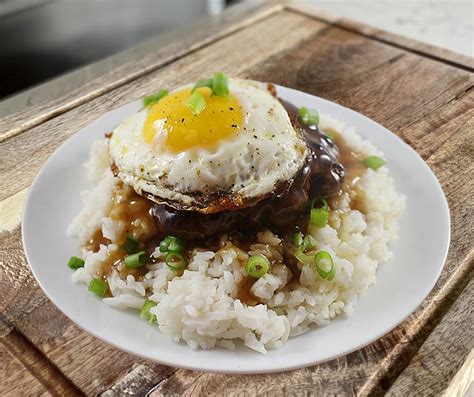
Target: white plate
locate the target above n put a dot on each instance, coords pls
(402, 284)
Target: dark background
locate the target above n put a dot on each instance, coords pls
(41, 39)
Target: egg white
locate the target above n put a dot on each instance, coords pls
(249, 165)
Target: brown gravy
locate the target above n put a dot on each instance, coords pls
(96, 241)
(245, 294)
(354, 168)
(133, 211)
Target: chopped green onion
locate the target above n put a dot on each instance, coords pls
(203, 83)
(319, 216)
(175, 261)
(220, 85)
(308, 116)
(309, 242)
(303, 258)
(98, 286)
(152, 99)
(319, 260)
(135, 260)
(145, 312)
(75, 262)
(374, 162)
(172, 243)
(257, 266)
(320, 200)
(298, 239)
(196, 103)
(131, 245)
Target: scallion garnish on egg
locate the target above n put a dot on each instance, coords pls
(308, 116)
(152, 99)
(374, 162)
(219, 85)
(196, 103)
(203, 83)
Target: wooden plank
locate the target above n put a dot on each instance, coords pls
(16, 380)
(133, 64)
(414, 46)
(49, 337)
(444, 353)
(435, 118)
(345, 67)
(451, 165)
(462, 383)
(137, 382)
(43, 370)
(10, 211)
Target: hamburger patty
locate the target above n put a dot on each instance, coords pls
(321, 176)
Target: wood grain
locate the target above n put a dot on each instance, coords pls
(427, 370)
(414, 46)
(43, 370)
(425, 100)
(16, 379)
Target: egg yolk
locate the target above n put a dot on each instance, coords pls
(221, 119)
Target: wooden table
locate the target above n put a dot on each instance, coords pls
(423, 94)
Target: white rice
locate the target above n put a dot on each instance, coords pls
(200, 307)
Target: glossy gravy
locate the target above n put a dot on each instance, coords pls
(354, 168)
(245, 294)
(133, 212)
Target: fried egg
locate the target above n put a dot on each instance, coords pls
(239, 150)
